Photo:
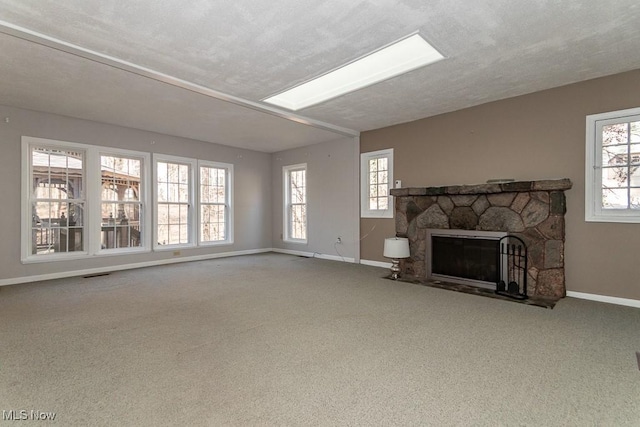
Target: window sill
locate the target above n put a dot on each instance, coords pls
(167, 248)
(122, 251)
(38, 259)
(218, 243)
(379, 214)
(623, 219)
(297, 242)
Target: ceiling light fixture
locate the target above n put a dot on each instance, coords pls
(397, 58)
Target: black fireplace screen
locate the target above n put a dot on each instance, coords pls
(474, 259)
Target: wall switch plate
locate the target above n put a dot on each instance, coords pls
(398, 184)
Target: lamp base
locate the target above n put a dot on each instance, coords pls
(395, 269)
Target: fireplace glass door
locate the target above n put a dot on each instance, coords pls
(474, 259)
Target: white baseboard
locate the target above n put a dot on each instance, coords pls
(99, 270)
(313, 255)
(376, 263)
(605, 298)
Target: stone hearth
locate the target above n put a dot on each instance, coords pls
(531, 210)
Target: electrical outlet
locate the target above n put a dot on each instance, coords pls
(339, 240)
(176, 253)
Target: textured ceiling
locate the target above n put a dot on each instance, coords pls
(495, 49)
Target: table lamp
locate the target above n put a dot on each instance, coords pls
(396, 248)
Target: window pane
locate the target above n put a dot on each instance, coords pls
(174, 195)
(131, 193)
(373, 203)
(213, 225)
(183, 174)
(373, 165)
(615, 177)
(382, 190)
(174, 214)
(57, 214)
(295, 209)
(297, 186)
(383, 177)
(382, 164)
(120, 209)
(172, 192)
(184, 214)
(635, 198)
(373, 191)
(614, 155)
(614, 198)
(634, 149)
(163, 214)
(615, 134)
(373, 178)
(635, 131)
(183, 193)
(298, 222)
(635, 176)
(163, 234)
(383, 203)
(172, 172)
(184, 233)
(162, 172)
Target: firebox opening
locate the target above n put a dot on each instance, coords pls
(467, 257)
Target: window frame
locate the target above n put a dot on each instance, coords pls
(228, 167)
(27, 196)
(286, 230)
(593, 168)
(365, 211)
(192, 226)
(144, 200)
(92, 179)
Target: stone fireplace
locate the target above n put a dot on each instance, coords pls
(534, 211)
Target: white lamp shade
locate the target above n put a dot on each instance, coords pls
(396, 247)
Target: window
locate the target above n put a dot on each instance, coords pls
(215, 202)
(56, 199)
(121, 205)
(174, 201)
(295, 203)
(376, 169)
(82, 200)
(613, 167)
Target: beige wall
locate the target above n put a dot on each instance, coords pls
(535, 136)
(252, 186)
(332, 197)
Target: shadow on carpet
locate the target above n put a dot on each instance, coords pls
(474, 290)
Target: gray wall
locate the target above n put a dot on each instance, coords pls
(332, 193)
(535, 136)
(252, 185)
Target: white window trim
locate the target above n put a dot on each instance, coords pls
(26, 214)
(95, 186)
(286, 196)
(365, 212)
(92, 198)
(229, 202)
(593, 176)
(193, 226)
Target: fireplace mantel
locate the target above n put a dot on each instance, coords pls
(531, 210)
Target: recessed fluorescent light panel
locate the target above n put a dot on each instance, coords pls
(398, 58)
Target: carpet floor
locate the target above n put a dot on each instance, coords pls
(275, 339)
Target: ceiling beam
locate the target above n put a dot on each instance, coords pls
(130, 67)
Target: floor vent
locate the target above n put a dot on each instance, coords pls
(95, 275)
